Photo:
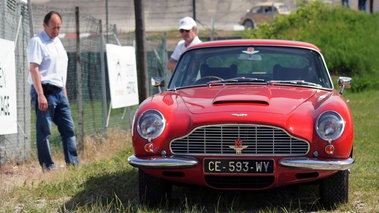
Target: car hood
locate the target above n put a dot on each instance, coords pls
(264, 99)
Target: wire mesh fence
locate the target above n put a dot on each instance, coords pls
(14, 26)
(87, 80)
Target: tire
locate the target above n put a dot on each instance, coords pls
(334, 190)
(248, 24)
(153, 191)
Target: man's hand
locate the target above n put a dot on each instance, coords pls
(171, 64)
(42, 103)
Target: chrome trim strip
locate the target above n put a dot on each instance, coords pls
(317, 164)
(161, 162)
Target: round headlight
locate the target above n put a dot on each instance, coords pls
(151, 124)
(330, 125)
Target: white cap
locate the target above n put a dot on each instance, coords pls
(187, 23)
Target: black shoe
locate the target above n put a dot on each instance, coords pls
(72, 164)
(49, 168)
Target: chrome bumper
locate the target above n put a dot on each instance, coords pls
(316, 164)
(175, 162)
(159, 162)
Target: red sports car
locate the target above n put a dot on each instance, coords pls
(245, 115)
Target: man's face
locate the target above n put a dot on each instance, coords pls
(188, 35)
(53, 27)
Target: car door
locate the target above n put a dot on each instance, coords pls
(263, 14)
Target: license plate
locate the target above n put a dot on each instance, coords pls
(239, 166)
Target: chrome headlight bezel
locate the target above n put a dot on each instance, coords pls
(151, 124)
(330, 125)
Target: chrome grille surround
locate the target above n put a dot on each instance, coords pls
(261, 140)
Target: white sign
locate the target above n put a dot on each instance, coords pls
(8, 98)
(122, 73)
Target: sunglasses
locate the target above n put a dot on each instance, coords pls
(181, 31)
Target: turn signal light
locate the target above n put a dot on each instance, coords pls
(149, 147)
(329, 149)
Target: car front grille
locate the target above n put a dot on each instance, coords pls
(239, 139)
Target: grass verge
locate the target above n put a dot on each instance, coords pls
(105, 182)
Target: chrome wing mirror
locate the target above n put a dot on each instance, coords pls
(158, 82)
(344, 82)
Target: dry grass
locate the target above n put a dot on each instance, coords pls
(30, 173)
(99, 148)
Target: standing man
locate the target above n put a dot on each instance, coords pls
(47, 74)
(188, 30)
(362, 5)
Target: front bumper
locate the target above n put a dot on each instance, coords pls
(161, 162)
(179, 162)
(317, 164)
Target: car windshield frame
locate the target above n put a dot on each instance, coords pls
(251, 64)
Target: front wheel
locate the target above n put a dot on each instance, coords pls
(335, 189)
(153, 191)
(248, 24)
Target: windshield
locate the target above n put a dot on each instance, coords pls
(283, 8)
(259, 64)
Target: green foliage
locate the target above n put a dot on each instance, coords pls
(347, 38)
(364, 82)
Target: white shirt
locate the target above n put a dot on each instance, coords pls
(51, 57)
(180, 47)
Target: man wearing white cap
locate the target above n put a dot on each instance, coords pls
(188, 30)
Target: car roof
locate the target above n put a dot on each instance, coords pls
(259, 42)
(269, 4)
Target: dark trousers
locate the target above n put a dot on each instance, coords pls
(362, 5)
(345, 3)
(59, 113)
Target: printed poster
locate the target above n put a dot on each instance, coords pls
(8, 95)
(122, 73)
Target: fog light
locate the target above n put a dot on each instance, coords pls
(149, 147)
(329, 149)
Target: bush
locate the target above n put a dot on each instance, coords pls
(347, 38)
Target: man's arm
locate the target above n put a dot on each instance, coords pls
(171, 64)
(36, 78)
(65, 92)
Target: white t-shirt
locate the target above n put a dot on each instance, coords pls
(180, 47)
(51, 57)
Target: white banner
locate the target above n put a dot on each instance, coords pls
(122, 73)
(8, 99)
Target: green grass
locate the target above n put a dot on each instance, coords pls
(365, 173)
(347, 38)
(110, 184)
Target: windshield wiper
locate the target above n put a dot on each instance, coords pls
(236, 80)
(294, 82)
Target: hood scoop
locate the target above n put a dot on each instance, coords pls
(259, 96)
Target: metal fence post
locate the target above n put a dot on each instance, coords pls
(79, 82)
(103, 83)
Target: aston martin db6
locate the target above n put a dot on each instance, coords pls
(246, 115)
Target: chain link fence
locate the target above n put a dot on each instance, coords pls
(87, 80)
(14, 26)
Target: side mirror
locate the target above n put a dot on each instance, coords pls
(344, 82)
(158, 82)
